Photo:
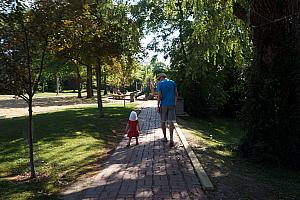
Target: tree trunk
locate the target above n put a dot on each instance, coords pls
(181, 39)
(30, 138)
(123, 85)
(105, 85)
(99, 97)
(43, 87)
(89, 82)
(78, 82)
(57, 85)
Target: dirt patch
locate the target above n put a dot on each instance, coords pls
(26, 177)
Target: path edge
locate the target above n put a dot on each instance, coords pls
(203, 177)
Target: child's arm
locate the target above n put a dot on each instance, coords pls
(138, 127)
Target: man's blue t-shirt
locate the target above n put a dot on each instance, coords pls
(167, 88)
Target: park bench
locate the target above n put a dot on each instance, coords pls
(122, 96)
(118, 96)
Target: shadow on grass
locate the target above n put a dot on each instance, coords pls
(237, 178)
(66, 123)
(66, 144)
(232, 176)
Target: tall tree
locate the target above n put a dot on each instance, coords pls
(272, 110)
(114, 33)
(97, 31)
(208, 48)
(25, 34)
(73, 40)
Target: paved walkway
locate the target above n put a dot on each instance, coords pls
(150, 170)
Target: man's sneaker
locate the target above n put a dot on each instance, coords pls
(171, 144)
(164, 139)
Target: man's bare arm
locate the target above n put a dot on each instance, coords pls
(158, 101)
(176, 95)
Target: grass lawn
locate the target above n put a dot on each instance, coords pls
(66, 144)
(214, 142)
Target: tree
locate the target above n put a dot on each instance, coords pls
(25, 34)
(122, 69)
(114, 34)
(208, 48)
(73, 40)
(157, 67)
(94, 34)
(272, 109)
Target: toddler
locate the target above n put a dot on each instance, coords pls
(132, 128)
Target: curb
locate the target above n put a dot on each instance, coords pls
(203, 177)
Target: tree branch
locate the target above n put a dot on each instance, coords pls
(36, 82)
(79, 61)
(29, 89)
(24, 97)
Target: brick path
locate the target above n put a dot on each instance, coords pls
(150, 170)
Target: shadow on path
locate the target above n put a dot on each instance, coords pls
(151, 170)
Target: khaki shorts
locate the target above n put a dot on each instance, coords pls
(167, 113)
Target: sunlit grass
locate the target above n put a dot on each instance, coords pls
(226, 153)
(66, 144)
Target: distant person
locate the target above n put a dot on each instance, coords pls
(132, 129)
(119, 92)
(147, 89)
(166, 105)
(115, 90)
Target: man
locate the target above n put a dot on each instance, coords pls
(166, 104)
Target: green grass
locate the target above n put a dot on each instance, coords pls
(66, 144)
(215, 141)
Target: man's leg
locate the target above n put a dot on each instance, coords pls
(171, 129)
(163, 127)
(163, 116)
(171, 120)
